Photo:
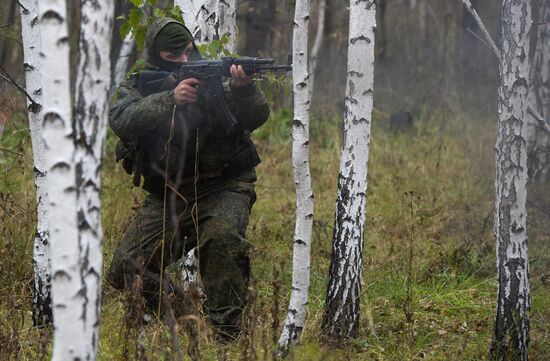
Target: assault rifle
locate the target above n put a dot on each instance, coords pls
(212, 72)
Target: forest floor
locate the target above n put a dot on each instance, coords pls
(429, 285)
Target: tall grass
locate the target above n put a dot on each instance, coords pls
(428, 290)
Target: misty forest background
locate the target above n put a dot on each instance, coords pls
(429, 259)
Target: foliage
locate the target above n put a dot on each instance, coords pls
(445, 161)
(216, 48)
(141, 15)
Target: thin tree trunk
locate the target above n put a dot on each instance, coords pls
(42, 312)
(297, 309)
(317, 45)
(92, 86)
(121, 67)
(538, 139)
(511, 330)
(341, 315)
(227, 23)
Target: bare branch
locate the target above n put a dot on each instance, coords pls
(479, 38)
(482, 27)
(542, 122)
(34, 107)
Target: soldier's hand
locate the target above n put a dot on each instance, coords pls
(239, 78)
(186, 92)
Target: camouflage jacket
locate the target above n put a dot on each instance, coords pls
(183, 141)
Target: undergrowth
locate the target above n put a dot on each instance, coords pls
(429, 279)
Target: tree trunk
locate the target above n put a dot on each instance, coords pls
(121, 67)
(90, 128)
(511, 330)
(297, 309)
(227, 23)
(73, 153)
(341, 316)
(317, 45)
(538, 139)
(259, 30)
(42, 312)
(57, 133)
(200, 17)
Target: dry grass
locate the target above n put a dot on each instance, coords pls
(428, 291)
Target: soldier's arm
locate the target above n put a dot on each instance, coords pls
(131, 115)
(251, 108)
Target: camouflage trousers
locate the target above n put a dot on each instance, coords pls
(212, 217)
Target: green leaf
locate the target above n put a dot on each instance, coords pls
(153, 2)
(203, 49)
(136, 3)
(135, 17)
(121, 17)
(159, 13)
(176, 14)
(138, 66)
(140, 36)
(124, 30)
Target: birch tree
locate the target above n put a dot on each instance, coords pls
(210, 20)
(30, 35)
(341, 315)
(73, 153)
(294, 322)
(317, 45)
(511, 331)
(93, 83)
(57, 133)
(122, 63)
(538, 128)
(200, 17)
(227, 23)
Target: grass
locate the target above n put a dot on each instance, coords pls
(430, 195)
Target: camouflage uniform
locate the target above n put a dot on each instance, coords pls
(209, 180)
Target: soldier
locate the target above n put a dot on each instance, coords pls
(200, 181)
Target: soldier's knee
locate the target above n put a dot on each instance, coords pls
(220, 230)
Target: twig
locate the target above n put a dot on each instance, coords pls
(12, 152)
(544, 210)
(24, 8)
(35, 107)
(479, 38)
(542, 122)
(482, 27)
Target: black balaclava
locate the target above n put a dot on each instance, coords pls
(166, 34)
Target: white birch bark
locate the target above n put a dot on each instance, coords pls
(57, 133)
(200, 17)
(227, 23)
(297, 309)
(93, 83)
(122, 63)
(341, 316)
(317, 45)
(537, 132)
(41, 254)
(511, 331)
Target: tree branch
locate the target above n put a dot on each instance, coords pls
(482, 27)
(542, 122)
(34, 107)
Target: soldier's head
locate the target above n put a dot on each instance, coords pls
(169, 44)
